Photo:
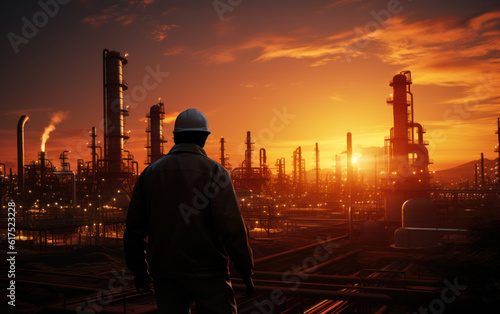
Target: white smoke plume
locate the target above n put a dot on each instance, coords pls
(56, 118)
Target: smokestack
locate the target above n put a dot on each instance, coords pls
(20, 153)
(498, 150)
(93, 136)
(222, 152)
(42, 167)
(482, 171)
(262, 158)
(349, 182)
(317, 168)
(299, 161)
(248, 152)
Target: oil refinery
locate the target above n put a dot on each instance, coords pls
(342, 241)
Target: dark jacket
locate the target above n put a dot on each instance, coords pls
(185, 204)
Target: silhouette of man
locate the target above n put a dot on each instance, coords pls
(185, 205)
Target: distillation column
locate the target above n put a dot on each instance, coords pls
(155, 132)
(114, 110)
(407, 178)
(399, 160)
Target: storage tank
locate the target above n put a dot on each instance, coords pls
(419, 225)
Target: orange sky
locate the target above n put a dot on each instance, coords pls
(326, 64)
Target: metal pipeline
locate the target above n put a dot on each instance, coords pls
(326, 294)
(136, 167)
(265, 258)
(222, 152)
(248, 152)
(420, 131)
(262, 157)
(328, 279)
(105, 124)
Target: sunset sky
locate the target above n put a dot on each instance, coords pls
(291, 72)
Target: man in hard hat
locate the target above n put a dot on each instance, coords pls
(185, 205)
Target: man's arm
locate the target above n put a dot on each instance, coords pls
(229, 223)
(135, 234)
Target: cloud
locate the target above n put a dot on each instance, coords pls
(21, 112)
(336, 3)
(123, 13)
(170, 117)
(160, 31)
(226, 27)
(337, 98)
(176, 50)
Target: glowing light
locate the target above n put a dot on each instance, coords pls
(354, 159)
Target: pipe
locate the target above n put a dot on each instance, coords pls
(325, 294)
(420, 131)
(437, 229)
(222, 153)
(482, 171)
(328, 262)
(42, 167)
(283, 163)
(317, 168)
(315, 278)
(498, 161)
(349, 182)
(299, 163)
(136, 167)
(105, 115)
(94, 155)
(248, 152)
(383, 309)
(20, 153)
(265, 258)
(262, 158)
(295, 168)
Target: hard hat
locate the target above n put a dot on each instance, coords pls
(191, 120)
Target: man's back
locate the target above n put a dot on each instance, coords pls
(193, 216)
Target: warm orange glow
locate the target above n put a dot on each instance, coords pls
(56, 118)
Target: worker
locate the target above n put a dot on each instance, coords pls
(184, 220)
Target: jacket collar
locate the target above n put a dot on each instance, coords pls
(187, 148)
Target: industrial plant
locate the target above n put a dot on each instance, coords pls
(336, 241)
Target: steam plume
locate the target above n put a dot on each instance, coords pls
(56, 118)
